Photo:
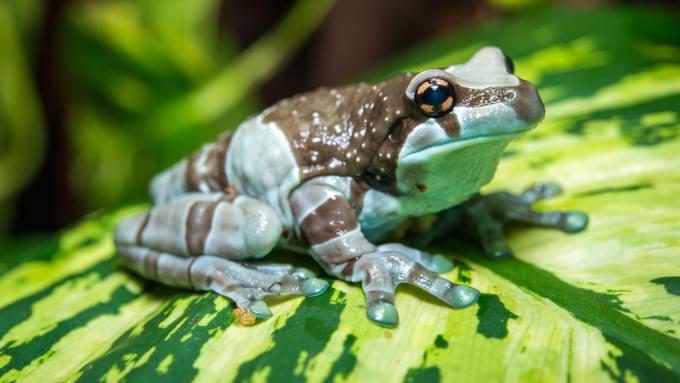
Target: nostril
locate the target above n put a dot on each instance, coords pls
(509, 95)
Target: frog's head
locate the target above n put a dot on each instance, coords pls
(462, 119)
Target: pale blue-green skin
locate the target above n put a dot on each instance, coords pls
(451, 174)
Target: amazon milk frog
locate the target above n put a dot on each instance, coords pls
(331, 172)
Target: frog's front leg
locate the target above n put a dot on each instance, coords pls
(329, 224)
(198, 241)
(489, 213)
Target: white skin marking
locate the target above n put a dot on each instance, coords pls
(352, 244)
(427, 134)
(485, 69)
(262, 164)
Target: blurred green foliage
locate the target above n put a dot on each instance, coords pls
(22, 136)
(145, 83)
(154, 80)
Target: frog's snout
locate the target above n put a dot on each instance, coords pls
(528, 104)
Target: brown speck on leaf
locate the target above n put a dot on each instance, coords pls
(421, 187)
(244, 316)
(387, 334)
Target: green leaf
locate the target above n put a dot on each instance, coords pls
(601, 305)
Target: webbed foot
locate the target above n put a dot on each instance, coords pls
(380, 272)
(246, 284)
(488, 214)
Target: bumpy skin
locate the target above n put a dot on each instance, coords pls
(331, 173)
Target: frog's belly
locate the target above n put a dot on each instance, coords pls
(261, 164)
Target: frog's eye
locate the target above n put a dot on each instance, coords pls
(435, 97)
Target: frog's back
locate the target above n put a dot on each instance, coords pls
(326, 132)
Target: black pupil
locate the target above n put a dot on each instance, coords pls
(435, 95)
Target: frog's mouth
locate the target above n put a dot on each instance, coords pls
(430, 152)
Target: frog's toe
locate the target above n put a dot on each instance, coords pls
(541, 190)
(494, 245)
(440, 264)
(304, 273)
(314, 286)
(383, 313)
(261, 310)
(574, 221)
(380, 272)
(463, 296)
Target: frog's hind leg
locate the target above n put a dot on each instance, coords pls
(488, 215)
(198, 242)
(244, 286)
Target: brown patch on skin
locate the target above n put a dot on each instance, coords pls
(381, 174)
(421, 187)
(198, 225)
(387, 334)
(348, 270)
(358, 190)
(416, 271)
(336, 131)
(335, 256)
(473, 97)
(151, 265)
(189, 266)
(140, 230)
(450, 125)
(528, 104)
(525, 92)
(367, 279)
(215, 175)
(191, 181)
(331, 219)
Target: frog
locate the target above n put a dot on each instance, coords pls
(330, 173)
